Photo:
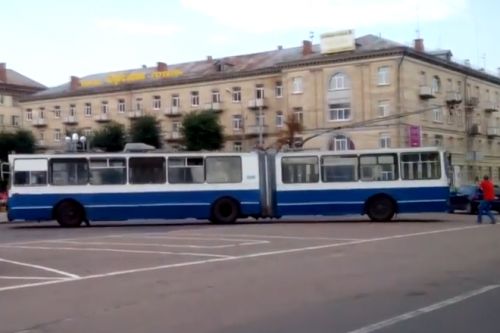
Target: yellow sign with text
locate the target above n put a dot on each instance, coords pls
(116, 79)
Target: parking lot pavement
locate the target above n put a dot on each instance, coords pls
(310, 276)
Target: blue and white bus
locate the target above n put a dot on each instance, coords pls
(73, 188)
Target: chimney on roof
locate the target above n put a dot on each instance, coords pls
(74, 83)
(3, 72)
(209, 58)
(161, 67)
(418, 45)
(280, 47)
(307, 48)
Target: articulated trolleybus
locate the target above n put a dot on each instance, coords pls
(79, 187)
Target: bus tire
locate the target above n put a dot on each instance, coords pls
(225, 211)
(69, 214)
(380, 208)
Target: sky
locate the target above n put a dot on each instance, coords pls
(51, 40)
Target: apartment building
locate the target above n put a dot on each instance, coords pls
(341, 86)
(14, 86)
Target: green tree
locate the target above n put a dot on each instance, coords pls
(20, 141)
(146, 130)
(110, 138)
(202, 131)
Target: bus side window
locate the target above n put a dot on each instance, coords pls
(30, 172)
(108, 171)
(186, 170)
(223, 169)
(147, 170)
(419, 166)
(378, 167)
(69, 171)
(338, 168)
(299, 170)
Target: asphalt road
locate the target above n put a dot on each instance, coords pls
(440, 274)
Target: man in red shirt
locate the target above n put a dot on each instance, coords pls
(488, 196)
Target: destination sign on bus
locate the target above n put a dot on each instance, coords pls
(116, 79)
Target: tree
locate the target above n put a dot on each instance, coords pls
(20, 141)
(287, 137)
(110, 138)
(146, 130)
(202, 131)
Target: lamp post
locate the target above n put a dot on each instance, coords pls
(75, 143)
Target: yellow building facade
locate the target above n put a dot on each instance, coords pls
(348, 93)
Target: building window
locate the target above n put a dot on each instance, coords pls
(260, 120)
(383, 76)
(279, 119)
(423, 79)
(195, 98)
(176, 101)
(42, 135)
(339, 112)
(57, 112)
(438, 114)
(156, 103)
(104, 107)
(436, 84)
(297, 85)
(438, 140)
(72, 110)
(57, 135)
(340, 143)
(41, 113)
(1, 119)
(383, 108)
(121, 106)
(449, 85)
(138, 104)
(237, 146)
(176, 127)
(339, 82)
(385, 141)
(29, 115)
(259, 91)
(15, 121)
(298, 114)
(279, 89)
(215, 96)
(87, 132)
(236, 93)
(237, 122)
(88, 109)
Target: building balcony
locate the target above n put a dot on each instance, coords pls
(39, 122)
(136, 114)
(70, 120)
(493, 132)
(492, 107)
(258, 103)
(102, 118)
(255, 130)
(427, 92)
(453, 97)
(174, 135)
(475, 129)
(216, 107)
(172, 111)
(471, 102)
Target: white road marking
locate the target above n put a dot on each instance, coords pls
(262, 254)
(43, 268)
(146, 244)
(29, 278)
(275, 237)
(245, 241)
(96, 249)
(421, 311)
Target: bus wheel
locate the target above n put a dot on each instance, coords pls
(69, 214)
(380, 208)
(225, 211)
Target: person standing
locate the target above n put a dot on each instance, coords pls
(488, 196)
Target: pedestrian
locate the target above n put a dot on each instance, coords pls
(488, 196)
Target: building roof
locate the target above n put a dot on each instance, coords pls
(19, 79)
(246, 65)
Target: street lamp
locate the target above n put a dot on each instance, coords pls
(75, 143)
